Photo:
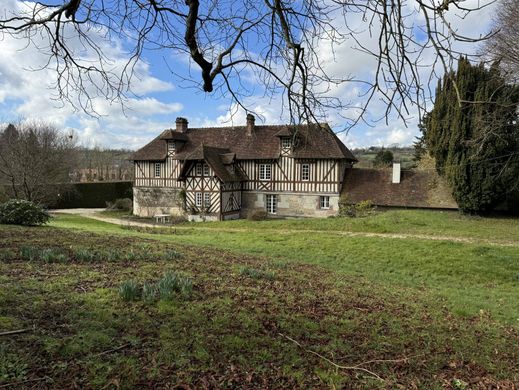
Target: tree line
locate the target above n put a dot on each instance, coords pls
(38, 162)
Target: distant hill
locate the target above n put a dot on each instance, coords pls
(403, 155)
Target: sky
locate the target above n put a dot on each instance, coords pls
(160, 96)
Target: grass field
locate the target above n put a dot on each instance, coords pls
(291, 303)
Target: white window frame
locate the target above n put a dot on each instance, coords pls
(198, 199)
(286, 143)
(324, 202)
(305, 172)
(198, 169)
(265, 172)
(158, 169)
(205, 169)
(207, 199)
(171, 147)
(271, 204)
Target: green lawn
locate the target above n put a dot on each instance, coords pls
(470, 277)
(272, 305)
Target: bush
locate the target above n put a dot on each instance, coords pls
(257, 215)
(22, 212)
(358, 210)
(123, 204)
(384, 158)
(129, 290)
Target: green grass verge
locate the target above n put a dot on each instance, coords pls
(239, 325)
(470, 278)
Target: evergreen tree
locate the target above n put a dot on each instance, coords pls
(473, 134)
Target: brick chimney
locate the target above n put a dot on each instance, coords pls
(181, 124)
(250, 124)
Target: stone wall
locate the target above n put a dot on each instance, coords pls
(150, 201)
(290, 204)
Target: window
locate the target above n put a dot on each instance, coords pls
(157, 169)
(198, 169)
(171, 147)
(265, 171)
(305, 172)
(206, 170)
(286, 143)
(324, 202)
(198, 199)
(207, 200)
(272, 204)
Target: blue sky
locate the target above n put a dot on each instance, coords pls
(160, 96)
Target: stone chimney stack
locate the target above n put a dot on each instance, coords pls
(250, 124)
(181, 124)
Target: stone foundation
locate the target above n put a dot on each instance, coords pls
(150, 201)
(290, 204)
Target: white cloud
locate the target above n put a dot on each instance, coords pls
(29, 93)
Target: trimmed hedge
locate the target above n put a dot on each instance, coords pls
(94, 195)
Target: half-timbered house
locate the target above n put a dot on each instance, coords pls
(228, 172)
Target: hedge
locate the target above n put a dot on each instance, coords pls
(94, 195)
(85, 195)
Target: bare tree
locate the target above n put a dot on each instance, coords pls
(35, 161)
(275, 42)
(503, 46)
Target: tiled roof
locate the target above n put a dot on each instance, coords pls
(416, 189)
(314, 141)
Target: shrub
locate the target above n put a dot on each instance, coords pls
(257, 215)
(129, 290)
(257, 273)
(361, 209)
(123, 204)
(22, 212)
(53, 256)
(364, 208)
(29, 253)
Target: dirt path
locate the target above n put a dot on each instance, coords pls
(94, 214)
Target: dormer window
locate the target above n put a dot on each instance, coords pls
(171, 148)
(206, 169)
(286, 145)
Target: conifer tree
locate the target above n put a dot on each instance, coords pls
(473, 134)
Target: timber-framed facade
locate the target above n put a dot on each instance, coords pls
(228, 172)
